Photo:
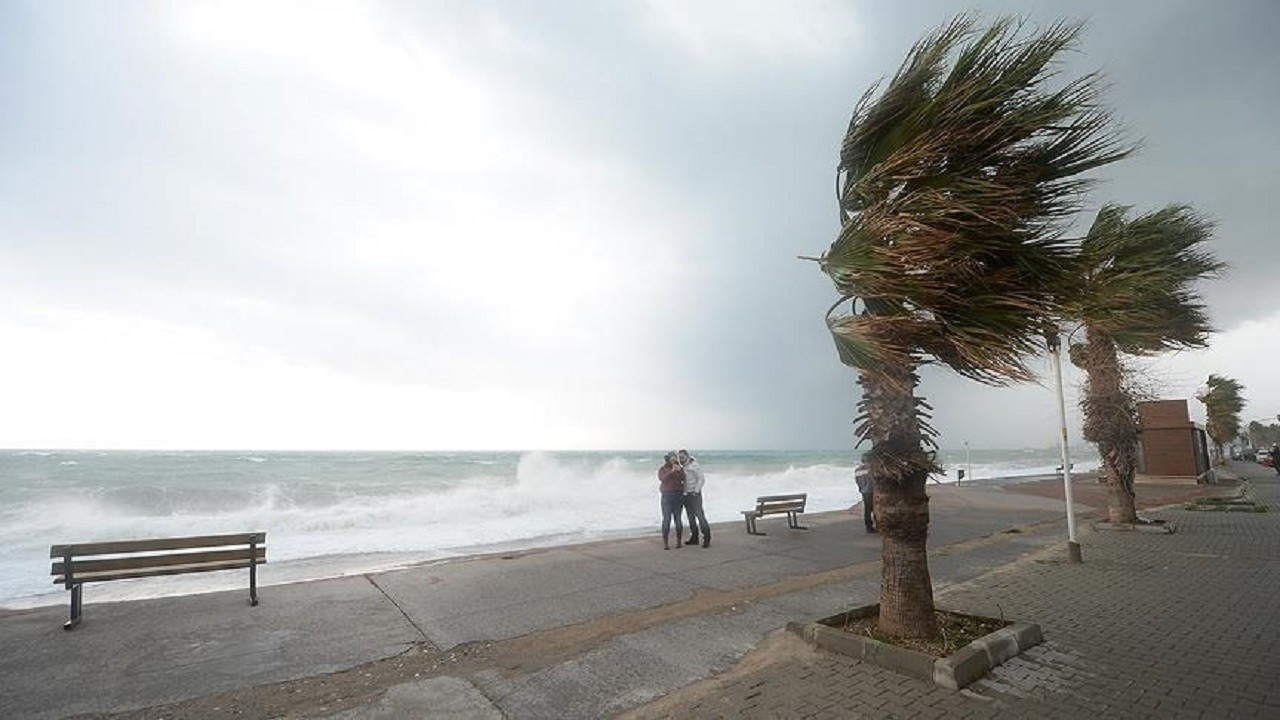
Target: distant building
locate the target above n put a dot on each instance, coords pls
(1170, 445)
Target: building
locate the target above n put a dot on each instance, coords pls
(1170, 445)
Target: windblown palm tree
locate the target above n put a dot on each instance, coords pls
(1222, 404)
(952, 184)
(1134, 296)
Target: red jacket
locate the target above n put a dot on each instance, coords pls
(671, 478)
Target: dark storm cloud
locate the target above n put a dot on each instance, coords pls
(753, 142)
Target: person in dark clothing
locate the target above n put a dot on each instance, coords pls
(693, 481)
(671, 484)
(1275, 458)
(862, 476)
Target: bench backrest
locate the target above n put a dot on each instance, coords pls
(772, 504)
(159, 556)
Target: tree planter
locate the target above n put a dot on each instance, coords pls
(1242, 501)
(1226, 505)
(1157, 527)
(954, 671)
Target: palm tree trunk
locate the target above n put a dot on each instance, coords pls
(1110, 422)
(900, 467)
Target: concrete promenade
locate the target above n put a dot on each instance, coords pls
(621, 626)
(1150, 626)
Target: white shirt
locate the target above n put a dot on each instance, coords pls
(693, 478)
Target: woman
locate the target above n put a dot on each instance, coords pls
(671, 483)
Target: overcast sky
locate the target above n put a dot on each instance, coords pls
(519, 225)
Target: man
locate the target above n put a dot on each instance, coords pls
(1275, 458)
(671, 486)
(693, 481)
(862, 476)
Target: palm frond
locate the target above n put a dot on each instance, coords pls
(954, 180)
(1223, 401)
(1137, 278)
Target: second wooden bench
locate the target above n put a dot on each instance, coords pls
(790, 505)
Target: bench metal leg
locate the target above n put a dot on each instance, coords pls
(751, 527)
(75, 609)
(793, 521)
(253, 572)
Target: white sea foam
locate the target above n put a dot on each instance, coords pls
(330, 516)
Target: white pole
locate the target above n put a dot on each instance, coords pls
(968, 466)
(1055, 353)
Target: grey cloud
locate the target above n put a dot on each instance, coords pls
(747, 146)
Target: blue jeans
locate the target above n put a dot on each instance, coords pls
(672, 504)
(697, 517)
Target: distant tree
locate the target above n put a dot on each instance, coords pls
(954, 180)
(1222, 404)
(1263, 435)
(1134, 296)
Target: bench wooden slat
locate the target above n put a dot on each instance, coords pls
(155, 572)
(135, 562)
(770, 498)
(779, 506)
(180, 543)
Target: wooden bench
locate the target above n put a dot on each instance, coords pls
(790, 505)
(150, 558)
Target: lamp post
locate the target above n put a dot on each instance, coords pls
(1054, 344)
(968, 466)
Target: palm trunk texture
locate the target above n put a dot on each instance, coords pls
(900, 468)
(1111, 424)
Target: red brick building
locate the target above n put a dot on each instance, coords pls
(1170, 445)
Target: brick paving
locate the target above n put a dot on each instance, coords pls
(1150, 626)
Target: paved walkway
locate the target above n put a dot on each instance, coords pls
(1150, 626)
(621, 626)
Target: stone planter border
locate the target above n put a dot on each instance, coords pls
(1237, 506)
(1161, 528)
(955, 671)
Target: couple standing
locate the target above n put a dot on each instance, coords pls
(680, 480)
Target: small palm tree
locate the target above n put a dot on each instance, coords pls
(1134, 297)
(952, 184)
(1222, 404)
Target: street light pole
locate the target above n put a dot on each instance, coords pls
(1055, 354)
(968, 466)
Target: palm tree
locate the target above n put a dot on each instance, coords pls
(1222, 404)
(952, 184)
(1134, 297)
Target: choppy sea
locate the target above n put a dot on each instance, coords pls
(334, 513)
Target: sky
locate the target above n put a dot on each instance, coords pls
(514, 225)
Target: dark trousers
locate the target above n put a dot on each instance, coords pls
(868, 510)
(672, 503)
(697, 518)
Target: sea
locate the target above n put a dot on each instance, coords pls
(329, 514)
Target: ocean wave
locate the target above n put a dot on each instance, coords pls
(401, 504)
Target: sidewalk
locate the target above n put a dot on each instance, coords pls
(583, 631)
(1150, 626)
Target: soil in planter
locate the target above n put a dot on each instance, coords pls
(956, 631)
